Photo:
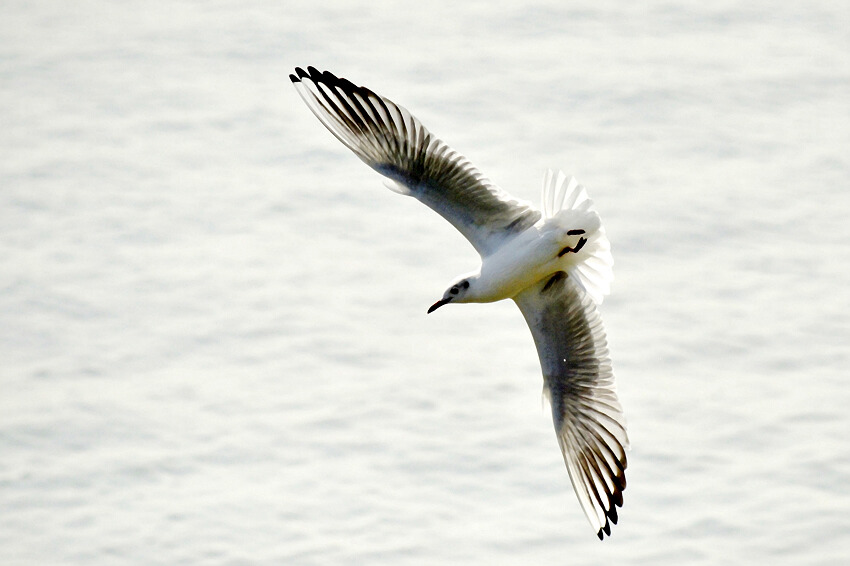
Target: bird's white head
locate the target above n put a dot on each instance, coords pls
(459, 292)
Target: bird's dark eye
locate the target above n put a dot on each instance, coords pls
(454, 290)
(465, 284)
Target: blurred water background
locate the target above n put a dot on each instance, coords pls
(213, 340)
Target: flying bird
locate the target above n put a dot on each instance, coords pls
(554, 263)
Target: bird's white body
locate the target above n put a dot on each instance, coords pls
(523, 260)
(555, 264)
(539, 251)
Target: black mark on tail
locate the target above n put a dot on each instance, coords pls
(568, 249)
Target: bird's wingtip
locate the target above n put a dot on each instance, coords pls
(300, 74)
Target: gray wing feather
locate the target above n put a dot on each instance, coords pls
(392, 141)
(578, 378)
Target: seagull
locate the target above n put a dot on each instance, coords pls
(554, 263)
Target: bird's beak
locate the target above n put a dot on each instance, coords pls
(438, 304)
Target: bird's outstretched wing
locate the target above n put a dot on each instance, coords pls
(579, 382)
(392, 141)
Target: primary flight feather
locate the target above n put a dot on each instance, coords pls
(555, 264)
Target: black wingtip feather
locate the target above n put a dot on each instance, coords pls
(331, 80)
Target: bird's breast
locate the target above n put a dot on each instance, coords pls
(518, 264)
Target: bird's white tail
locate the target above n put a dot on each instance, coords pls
(567, 206)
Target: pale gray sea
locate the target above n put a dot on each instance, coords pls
(213, 341)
